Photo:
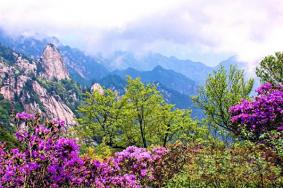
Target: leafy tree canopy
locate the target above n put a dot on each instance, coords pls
(271, 69)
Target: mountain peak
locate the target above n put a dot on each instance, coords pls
(50, 45)
(158, 67)
(52, 63)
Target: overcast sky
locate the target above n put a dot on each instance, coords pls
(201, 30)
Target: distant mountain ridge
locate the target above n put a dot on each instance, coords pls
(177, 79)
(169, 78)
(194, 70)
(83, 68)
(86, 69)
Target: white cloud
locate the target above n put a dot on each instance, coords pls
(203, 30)
(82, 13)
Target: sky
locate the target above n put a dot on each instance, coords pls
(201, 30)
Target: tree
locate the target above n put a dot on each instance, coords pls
(143, 102)
(221, 91)
(100, 115)
(271, 69)
(140, 117)
(177, 124)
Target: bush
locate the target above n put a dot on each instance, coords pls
(262, 115)
(244, 165)
(46, 159)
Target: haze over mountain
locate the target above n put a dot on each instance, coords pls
(95, 67)
(194, 70)
(175, 87)
(177, 79)
(205, 31)
(82, 67)
(168, 78)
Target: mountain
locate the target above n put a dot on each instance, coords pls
(52, 64)
(170, 79)
(178, 79)
(86, 70)
(37, 86)
(114, 82)
(194, 70)
(232, 61)
(81, 67)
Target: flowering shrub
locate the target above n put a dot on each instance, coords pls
(25, 116)
(241, 165)
(262, 115)
(49, 160)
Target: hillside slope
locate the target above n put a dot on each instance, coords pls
(26, 84)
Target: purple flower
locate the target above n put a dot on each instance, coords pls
(280, 128)
(58, 122)
(25, 116)
(32, 166)
(52, 169)
(143, 172)
(264, 113)
(46, 155)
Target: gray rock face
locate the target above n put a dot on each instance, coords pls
(52, 64)
(53, 107)
(96, 87)
(18, 83)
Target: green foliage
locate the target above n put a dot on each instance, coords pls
(100, 116)
(5, 110)
(33, 95)
(242, 165)
(173, 162)
(140, 117)
(7, 55)
(274, 139)
(143, 103)
(6, 130)
(7, 137)
(271, 69)
(221, 91)
(100, 152)
(67, 90)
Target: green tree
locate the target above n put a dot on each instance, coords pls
(100, 116)
(177, 124)
(222, 90)
(271, 69)
(140, 117)
(143, 102)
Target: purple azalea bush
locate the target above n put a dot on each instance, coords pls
(46, 159)
(263, 114)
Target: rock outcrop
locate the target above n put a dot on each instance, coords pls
(53, 107)
(97, 87)
(19, 82)
(52, 64)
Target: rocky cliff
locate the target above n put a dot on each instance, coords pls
(21, 82)
(52, 64)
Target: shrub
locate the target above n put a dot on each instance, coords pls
(260, 116)
(49, 160)
(242, 165)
